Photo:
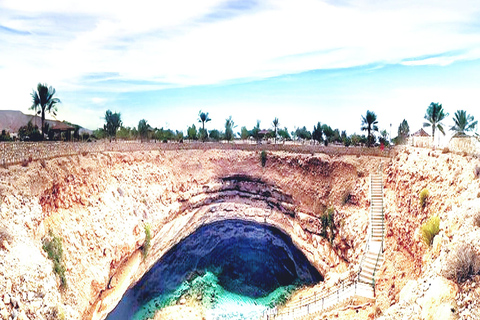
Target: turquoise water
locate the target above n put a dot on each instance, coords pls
(235, 268)
(218, 302)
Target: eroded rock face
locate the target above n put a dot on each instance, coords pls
(99, 203)
(250, 259)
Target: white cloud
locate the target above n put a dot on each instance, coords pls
(97, 100)
(167, 41)
(174, 43)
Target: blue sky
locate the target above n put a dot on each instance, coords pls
(302, 61)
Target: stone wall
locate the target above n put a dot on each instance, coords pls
(19, 152)
(470, 145)
(421, 142)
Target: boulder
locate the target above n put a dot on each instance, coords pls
(407, 294)
(439, 301)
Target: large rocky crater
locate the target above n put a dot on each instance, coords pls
(99, 204)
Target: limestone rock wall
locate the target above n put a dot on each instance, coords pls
(98, 204)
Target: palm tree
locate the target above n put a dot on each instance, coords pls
(113, 121)
(203, 117)
(463, 122)
(143, 129)
(229, 125)
(435, 116)
(275, 126)
(369, 123)
(44, 99)
(317, 133)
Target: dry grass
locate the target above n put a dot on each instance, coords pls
(462, 263)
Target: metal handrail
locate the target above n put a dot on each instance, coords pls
(314, 299)
(345, 285)
(369, 233)
(383, 233)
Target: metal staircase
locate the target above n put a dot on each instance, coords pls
(364, 284)
(373, 257)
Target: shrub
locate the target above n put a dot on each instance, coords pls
(477, 172)
(445, 150)
(462, 263)
(263, 157)
(148, 237)
(25, 162)
(57, 313)
(328, 224)
(430, 229)
(53, 247)
(423, 196)
(346, 197)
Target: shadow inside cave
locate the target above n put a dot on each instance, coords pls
(247, 258)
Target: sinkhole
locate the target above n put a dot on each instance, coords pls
(223, 262)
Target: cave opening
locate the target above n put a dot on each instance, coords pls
(243, 259)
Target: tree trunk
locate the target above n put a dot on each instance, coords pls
(43, 123)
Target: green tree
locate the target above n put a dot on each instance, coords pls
(192, 132)
(229, 125)
(215, 135)
(29, 132)
(463, 122)
(384, 137)
(179, 136)
(283, 133)
(244, 133)
(134, 133)
(99, 133)
(336, 136)
(143, 129)
(317, 133)
(329, 134)
(303, 133)
(124, 133)
(5, 136)
(369, 124)
(403, 132)
(345, 139)
(113, 121)
(434, 116)
(44, 98)
(275, 127)
(256, 132)
(355, 139)
(203, 117)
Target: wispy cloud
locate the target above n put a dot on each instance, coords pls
(137, 46)
(4, 29)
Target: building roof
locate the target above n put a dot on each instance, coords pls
(60, 126)
(420, 133)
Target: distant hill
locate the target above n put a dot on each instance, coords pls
(12, 120)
